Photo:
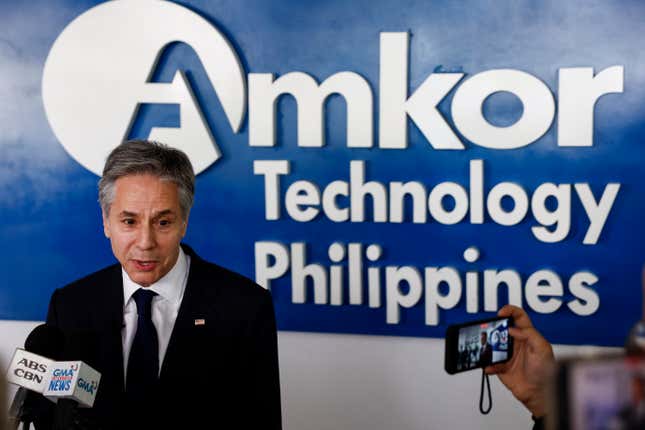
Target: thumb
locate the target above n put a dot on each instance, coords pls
(496, 368)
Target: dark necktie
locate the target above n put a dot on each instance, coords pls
(143, 364)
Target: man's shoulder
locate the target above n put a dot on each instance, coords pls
(90, 284)
(227, 281)
(78, 303)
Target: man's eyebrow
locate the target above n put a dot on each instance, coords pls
(156, 215)
(163, 213)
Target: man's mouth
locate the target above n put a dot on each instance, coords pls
(144, 265)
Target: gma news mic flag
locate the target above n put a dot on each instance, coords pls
(73, 380)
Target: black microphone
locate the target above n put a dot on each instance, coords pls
(46, 340)
(28, 370)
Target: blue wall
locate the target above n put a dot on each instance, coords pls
(51, 228)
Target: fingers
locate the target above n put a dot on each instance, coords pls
(496, 368)
(520, 333)
(520, 316)
(533, 339)
(531, 335)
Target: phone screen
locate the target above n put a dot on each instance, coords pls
(478, 344)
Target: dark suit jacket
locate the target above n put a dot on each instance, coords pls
(486, 355)
(223, 374)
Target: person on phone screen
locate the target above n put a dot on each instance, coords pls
(485, 351)
(528, 371)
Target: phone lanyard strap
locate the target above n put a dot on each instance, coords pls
(481, 394)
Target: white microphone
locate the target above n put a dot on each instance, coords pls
(29, 370)
(72, 380)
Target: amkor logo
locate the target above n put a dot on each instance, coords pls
(98, 74)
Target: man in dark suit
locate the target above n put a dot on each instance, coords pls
(485, 351)
(178, 341)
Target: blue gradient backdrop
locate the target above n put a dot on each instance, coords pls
(51, 232)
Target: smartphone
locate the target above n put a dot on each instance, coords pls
(478, 344)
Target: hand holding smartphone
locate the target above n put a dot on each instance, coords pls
(478, 344)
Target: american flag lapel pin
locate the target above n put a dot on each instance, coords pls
(200, 321)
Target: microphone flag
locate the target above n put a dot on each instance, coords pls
(72, 380)
(29, 370)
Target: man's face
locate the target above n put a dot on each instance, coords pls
(145, 226)
(483, 338)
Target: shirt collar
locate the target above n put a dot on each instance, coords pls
(170, 287)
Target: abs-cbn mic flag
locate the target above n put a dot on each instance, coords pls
(72, 380)
(29, 370)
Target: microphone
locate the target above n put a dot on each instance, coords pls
(72, 384)
(29, 370)
(72, 380)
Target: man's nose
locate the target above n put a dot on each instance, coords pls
(146, 239)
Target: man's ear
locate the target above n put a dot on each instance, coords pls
(183, 233)
(106, 225)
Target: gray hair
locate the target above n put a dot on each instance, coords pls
(137, 157)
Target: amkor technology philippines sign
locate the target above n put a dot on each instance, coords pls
(99, 72)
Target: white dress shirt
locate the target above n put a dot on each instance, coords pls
(165, 306)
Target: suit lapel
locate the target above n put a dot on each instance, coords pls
(193, 308)
(110, 317)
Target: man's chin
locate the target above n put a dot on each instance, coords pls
(145, 279)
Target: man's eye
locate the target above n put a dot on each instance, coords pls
(128, 221)
(164, 223)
